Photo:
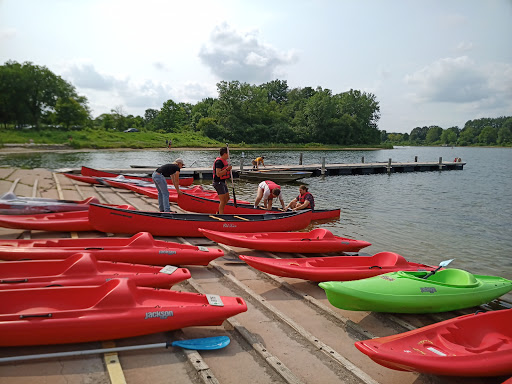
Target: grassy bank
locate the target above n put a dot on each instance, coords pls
(100, 139)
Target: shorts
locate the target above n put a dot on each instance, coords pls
(220, 187)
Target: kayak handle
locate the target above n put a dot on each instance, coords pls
(88, 248)
(305, 239)
(13, 281)
(41, 315)
(375, 266)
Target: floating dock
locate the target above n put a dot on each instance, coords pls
(317, 169)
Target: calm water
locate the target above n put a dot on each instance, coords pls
(425, 216)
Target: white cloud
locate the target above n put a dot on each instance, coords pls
(231, 55)
(464, 46)
(135, 96)
(456, 80)
(7, 33)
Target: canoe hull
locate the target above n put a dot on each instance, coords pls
(471, 345)
(334, 268)
(115, 220)
(407, 292)
(203, 204)
(114, 310)
(72, 221)
(141, 248)
(318, 240)
(11, 204)
(84, 269)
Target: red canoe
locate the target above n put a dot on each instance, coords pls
(203, 204)
(84, 269)
(114, 310)
(73, 221)
(319, 240)
(86, 171)
(10, 204)
(336, 268)
(141, 248)
(472, 345)
(116, 220)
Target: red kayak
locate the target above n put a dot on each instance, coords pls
(116, 220)
(141, 248)
(319, 240)
(86, 171)
(202, 204)
(10, 204)
(472, 345)
(72, 221)
(335, 268)
(113, 310)
(84, 269)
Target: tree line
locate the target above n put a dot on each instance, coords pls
(484, 131)
(31, 95)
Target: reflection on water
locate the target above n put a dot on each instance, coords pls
(425, 216)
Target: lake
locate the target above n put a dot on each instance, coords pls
(426, 217)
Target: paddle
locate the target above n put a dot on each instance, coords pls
(441, 265)
(202, 344)
(232, 183)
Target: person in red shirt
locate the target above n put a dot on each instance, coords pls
(222, 172)
(267, 191)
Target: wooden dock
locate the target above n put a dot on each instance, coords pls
(317, 169)
(290, 333)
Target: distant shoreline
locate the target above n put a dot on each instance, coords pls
(63, 148)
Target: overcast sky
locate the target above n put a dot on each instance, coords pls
(428, 62)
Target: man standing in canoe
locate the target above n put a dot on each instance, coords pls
(167, 170)
(268, 190)
(222, 172)
(257, 161)
(305, 200)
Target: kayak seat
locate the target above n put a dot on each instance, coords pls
(489, 341)
(389, 259)
(454, 277)
(320, 233)
(116, 293)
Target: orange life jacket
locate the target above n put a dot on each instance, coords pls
(271, 186)
(225, 162)
(302, 199)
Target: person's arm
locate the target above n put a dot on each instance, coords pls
(175, 177)
(302, 206)
(221, 172)
(281, 200)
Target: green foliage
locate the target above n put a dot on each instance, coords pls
(485, 131)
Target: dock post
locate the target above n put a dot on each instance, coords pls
(362, 159)
(441, 163)
(300, 159)
(242, 164)
(388, 168)
(323, 166)
(415, 159)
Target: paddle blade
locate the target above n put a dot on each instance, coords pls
(203, 344)
(445, 263)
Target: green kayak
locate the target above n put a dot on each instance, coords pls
(408, 292)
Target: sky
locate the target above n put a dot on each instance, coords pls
(428, 62)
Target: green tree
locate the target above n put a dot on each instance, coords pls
(433, 134)
(448, 137)
(70, 112)
(488, 135)
(172, 117)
